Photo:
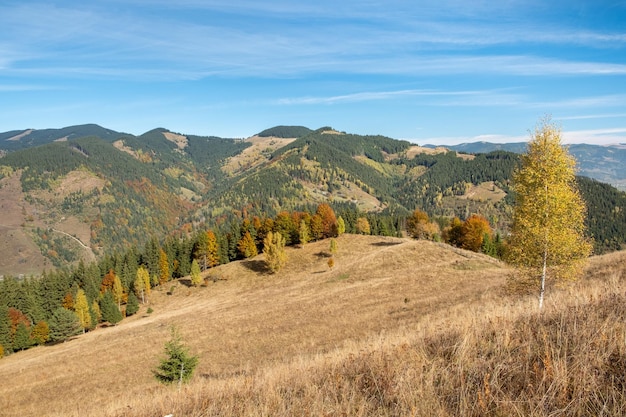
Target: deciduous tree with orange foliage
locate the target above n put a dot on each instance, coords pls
(328, 220)
(212, 250)
(473, 232)
(419, 226)
(107, 282)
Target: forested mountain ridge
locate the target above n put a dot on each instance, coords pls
(109, 194)
(27, 138)
(603, 163)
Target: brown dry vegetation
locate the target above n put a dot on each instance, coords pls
(179, 140)
(486, 191)
(398, 327)
(415, 150)
(255, 154)
(19, 255)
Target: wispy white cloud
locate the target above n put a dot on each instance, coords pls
(378, 95)
(12, 88)
(456, 140)
(94, 42)
(591, 116)
(596, 136)
(591, 102)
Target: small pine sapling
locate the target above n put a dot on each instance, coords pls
(178, 365)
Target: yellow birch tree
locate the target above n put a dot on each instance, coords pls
(118, 291)
(547, 236)
(142, 284)
(81, 308)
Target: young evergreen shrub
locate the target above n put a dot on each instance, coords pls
(132, 306)
(178, 365)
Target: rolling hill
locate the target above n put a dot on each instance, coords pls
(28, 138)
(398, 326)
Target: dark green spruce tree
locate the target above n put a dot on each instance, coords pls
(5, 330)
(63, 325)
(178, 365)
(109, 310)
(132, 306)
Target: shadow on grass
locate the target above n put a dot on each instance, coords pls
(386, 243)
(186, 282)
(256, 266)
(323, 254)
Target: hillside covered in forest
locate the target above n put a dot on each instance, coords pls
(68, 197)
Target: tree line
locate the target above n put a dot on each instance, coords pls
(67, 301)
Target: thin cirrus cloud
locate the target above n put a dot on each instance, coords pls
(591, 116)
(492, 97)
(499, 64)
(475, 97)
(173, 48)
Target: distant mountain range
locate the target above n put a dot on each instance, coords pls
(603, 163)
(85, 191)
(606, 163)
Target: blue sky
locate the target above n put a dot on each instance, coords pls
(446, 71)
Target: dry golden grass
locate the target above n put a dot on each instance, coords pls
(254, 155)
(398, 327)
(486, 191)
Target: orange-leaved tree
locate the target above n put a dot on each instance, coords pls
(474, 230)
(212, 249)
(419, 226)
(363, 226)
(329, 220)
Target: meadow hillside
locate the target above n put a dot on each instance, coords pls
(397, 327)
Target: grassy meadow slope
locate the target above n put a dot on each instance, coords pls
(398, 327)
(248, 322)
